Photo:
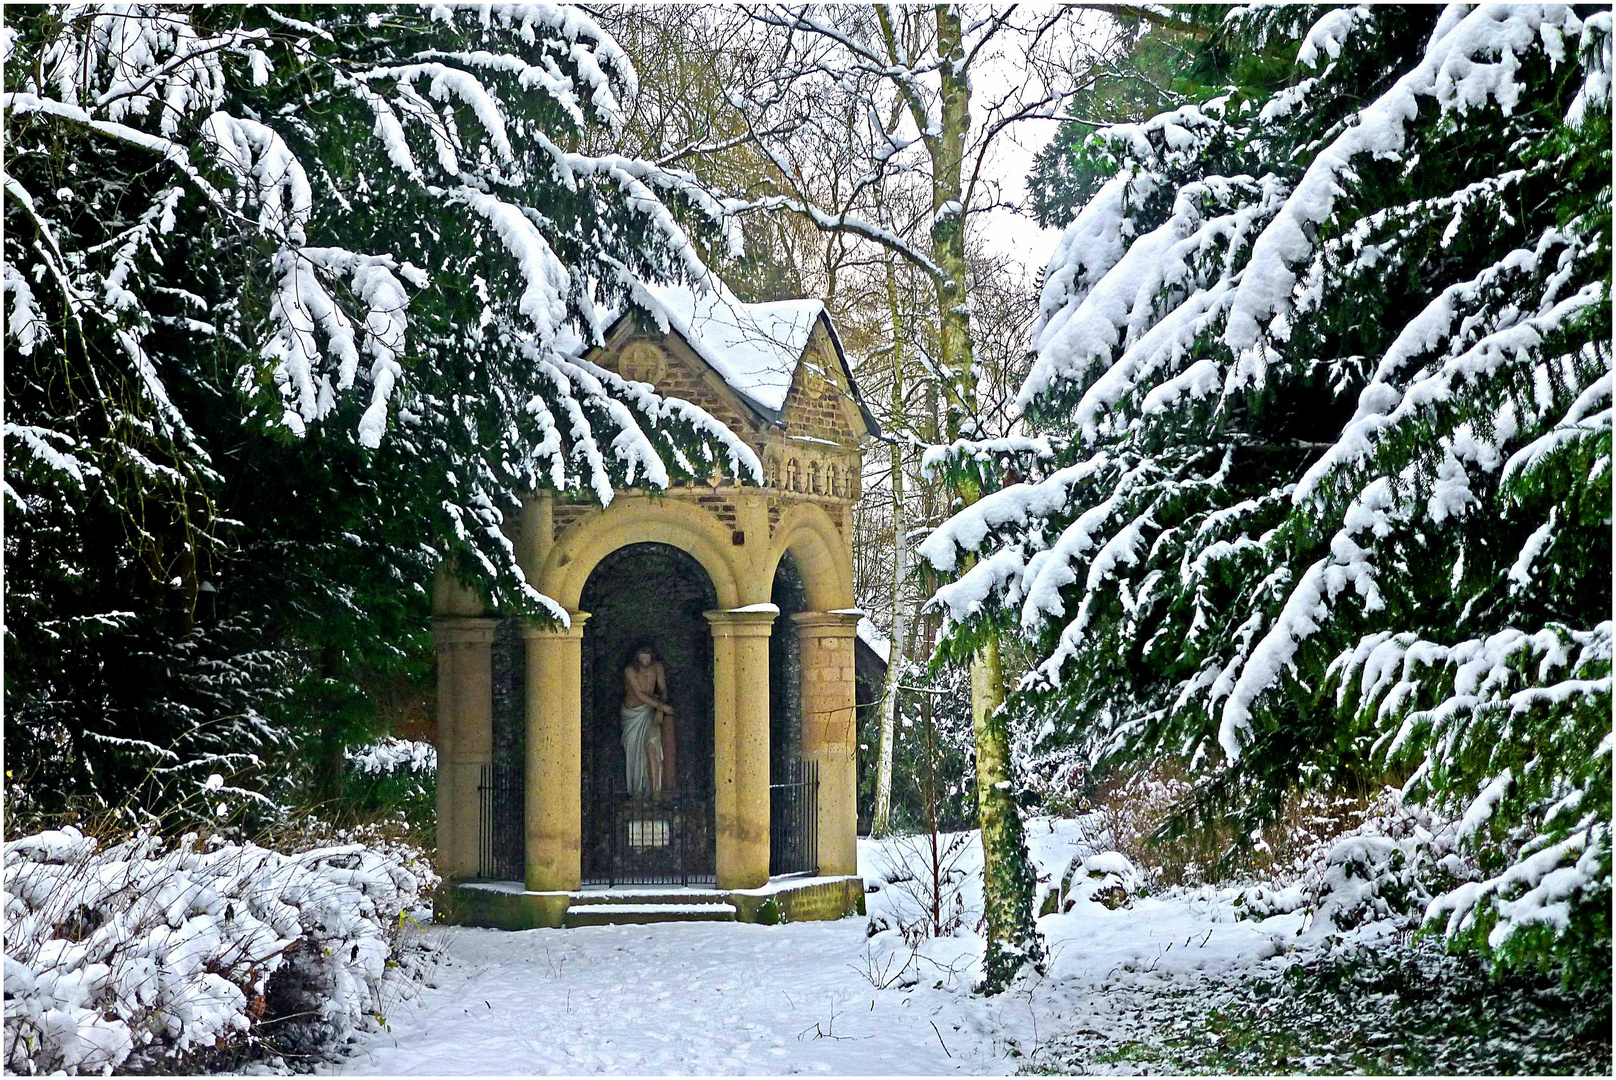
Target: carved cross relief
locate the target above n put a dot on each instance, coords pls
(643, 362)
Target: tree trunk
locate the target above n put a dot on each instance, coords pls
(947, 150)
(881, 819)
(881, 825)
(1009, 881)
(930, 735)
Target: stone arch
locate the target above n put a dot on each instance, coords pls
(640, 520)
(821, 555)
(815, 484)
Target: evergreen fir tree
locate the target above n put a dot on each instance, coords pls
(295, 307)
(1320, 489)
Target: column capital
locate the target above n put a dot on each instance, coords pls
(463, 631)
(755, 620)
(829, 623)
(550, 632)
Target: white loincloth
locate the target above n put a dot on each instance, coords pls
(642, 743)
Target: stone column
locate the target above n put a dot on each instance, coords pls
(829, 731)
(554, 823)
(465, 736)
(741, 743)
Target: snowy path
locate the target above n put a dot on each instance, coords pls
(675, 998)
(737, 998)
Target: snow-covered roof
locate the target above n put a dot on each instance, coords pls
(872, 637)
(754, 348)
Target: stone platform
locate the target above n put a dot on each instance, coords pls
(509, 905)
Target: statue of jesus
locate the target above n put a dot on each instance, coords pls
(647, 719)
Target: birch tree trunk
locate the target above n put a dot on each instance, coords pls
(881, 819)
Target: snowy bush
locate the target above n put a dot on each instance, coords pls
(1369, 878)
(393, 756)
(1103, 877)
(147, 950)
(1389, 867)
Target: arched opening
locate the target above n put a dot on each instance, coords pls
(785, 671)
(809, 537)
(647, 593)
(502, 852)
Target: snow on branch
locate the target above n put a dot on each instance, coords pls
(110, 69)
(36, 441)
(842, 221)
(743, 460)
(1016, 505)
(1452, 74)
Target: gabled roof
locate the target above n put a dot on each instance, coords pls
(753, 348)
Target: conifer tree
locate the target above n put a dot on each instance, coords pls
(295, 303)
(1321, 483)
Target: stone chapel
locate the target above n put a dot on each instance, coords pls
(745, 593)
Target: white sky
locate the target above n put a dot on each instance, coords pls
(1015, 235)
(1010, 158)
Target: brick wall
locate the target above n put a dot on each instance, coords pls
(680, 377)
(817, 405)
(566, 515)
(828, 690)
(719, 502)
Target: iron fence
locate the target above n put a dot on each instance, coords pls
(501, 849)
(660, 840)
(794, 821)
(666, 840)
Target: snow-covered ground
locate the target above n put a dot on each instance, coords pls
(735, 998)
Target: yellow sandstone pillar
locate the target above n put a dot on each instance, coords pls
(741, 743)
(554, 755)
(465, 736)
(829, 731)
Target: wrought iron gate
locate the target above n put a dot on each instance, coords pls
(501, 847)
(666, 840)
(794, 821)
(662, 841)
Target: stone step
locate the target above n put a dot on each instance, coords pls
(650, 896)
(618, 914)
